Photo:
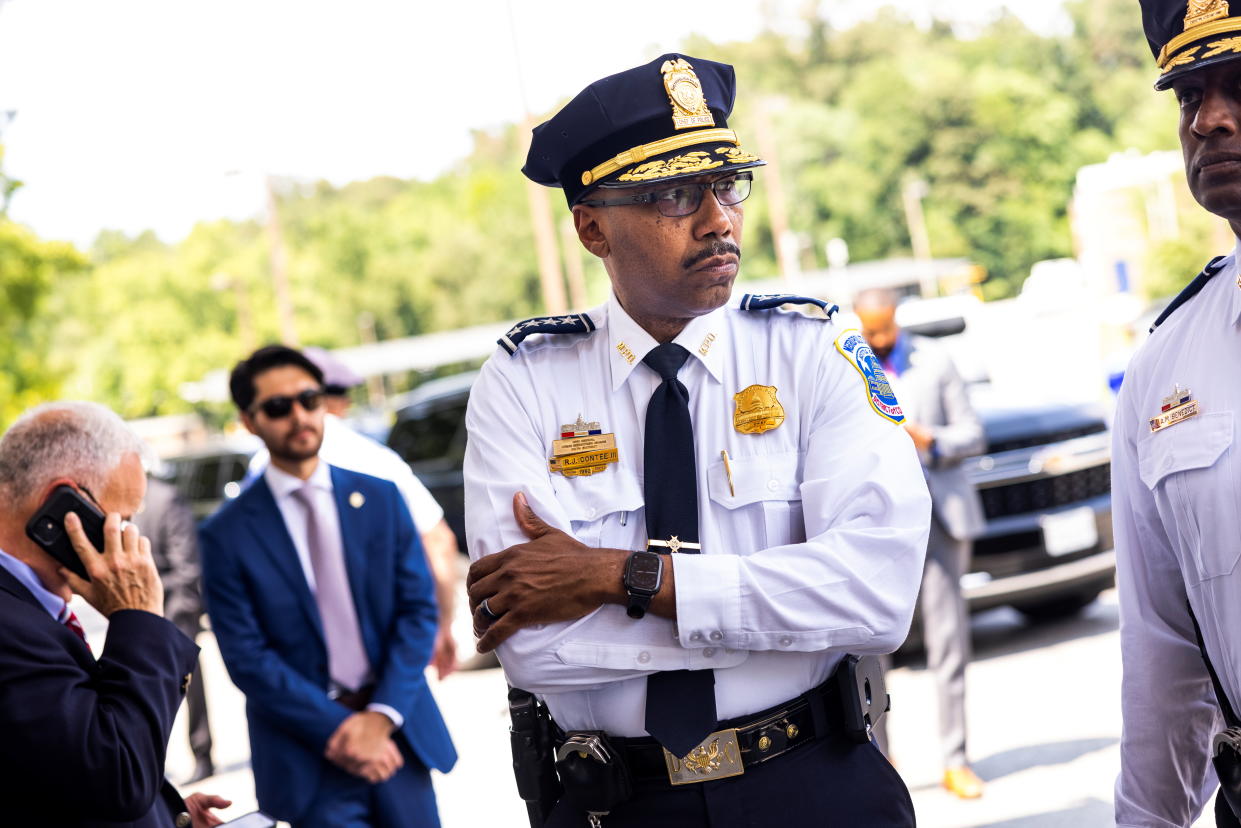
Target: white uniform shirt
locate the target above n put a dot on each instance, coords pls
(296, 519)
(345, 448)
(1176, 497)
(818, 552)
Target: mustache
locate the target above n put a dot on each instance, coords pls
(719, 248)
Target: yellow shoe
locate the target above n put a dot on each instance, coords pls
(963, 782)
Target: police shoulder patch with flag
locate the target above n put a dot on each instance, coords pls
(854, 348)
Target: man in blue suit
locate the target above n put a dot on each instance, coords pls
(323, 607)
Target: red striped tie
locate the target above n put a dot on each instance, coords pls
(71, 621)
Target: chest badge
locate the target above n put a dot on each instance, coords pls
(757, 410)
(582, 449)
(1177, 407)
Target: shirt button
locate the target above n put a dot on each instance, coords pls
(644, 657)
(717, 636)
(709, 652)
(591, 511)
(696, 637)
(772, 485)
(786, 641)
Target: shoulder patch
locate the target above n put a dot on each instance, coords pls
(573, 323)
(878, 390)
(1191, 290)
(768, 301)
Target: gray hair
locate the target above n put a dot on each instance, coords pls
(81, 440)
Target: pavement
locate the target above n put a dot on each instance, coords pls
(1044, 728)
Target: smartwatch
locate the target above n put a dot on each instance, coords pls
(644, 574)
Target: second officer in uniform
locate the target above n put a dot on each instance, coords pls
(687, 506)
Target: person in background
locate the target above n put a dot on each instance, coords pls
(347, 449)
(324, 609)
(83, 739)
(168, 522)
(945, 430)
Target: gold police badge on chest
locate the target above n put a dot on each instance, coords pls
(757, 410)
(582, 449)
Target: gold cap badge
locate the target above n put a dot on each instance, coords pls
(1204, 11)
(689, 107)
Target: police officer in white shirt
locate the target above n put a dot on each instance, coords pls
(1176, 478)
(686, 507)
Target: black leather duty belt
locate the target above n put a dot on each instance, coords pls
(738, 743)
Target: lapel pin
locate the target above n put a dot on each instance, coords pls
(356, 500)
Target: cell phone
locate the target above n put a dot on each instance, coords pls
(47, 527)
(254, 819)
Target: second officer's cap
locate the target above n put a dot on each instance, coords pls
(662, 121)
(1185, 36)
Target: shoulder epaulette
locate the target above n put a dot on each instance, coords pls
(767, 301)
(573, 323)
(1191, 290)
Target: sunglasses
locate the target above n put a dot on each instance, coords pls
(685, 199)
(282, 405)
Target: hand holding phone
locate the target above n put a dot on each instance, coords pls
(124, 576)
(47, 527)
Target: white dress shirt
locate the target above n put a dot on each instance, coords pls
(815, 551)
(345, 448)
(1176, 497)
(296, 520)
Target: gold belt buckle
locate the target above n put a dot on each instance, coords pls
(716, 757)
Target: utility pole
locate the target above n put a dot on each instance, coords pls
(550, 278)
(782, 238)
(279, 268)
(572, 250)
(913, 190)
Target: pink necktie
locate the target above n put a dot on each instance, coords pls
(348, 665)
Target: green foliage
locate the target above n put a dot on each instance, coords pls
(994, 125)
(30, 270)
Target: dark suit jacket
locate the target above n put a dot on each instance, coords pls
(168, 521)
(933, 395)
(82, 741)
(271, 636)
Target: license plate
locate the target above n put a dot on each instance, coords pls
(1071, 531)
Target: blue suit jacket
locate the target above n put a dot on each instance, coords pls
(82, 741)
(271, 637)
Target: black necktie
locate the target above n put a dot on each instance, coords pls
(680, 704)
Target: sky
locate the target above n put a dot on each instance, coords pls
(150, 114)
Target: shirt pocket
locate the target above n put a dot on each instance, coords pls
(764, 501)
(1189, 470)
(604, 508)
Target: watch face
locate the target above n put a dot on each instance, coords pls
(644, 571)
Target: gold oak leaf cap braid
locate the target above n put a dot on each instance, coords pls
(1190, 34)
(664, 120)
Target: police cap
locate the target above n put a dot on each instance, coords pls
(665, 120)
(1185, 36)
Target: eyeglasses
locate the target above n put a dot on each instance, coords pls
(281, 406)
(685, 199)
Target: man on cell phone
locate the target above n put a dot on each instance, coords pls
(84, 736)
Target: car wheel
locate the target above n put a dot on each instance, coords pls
(1064, 606)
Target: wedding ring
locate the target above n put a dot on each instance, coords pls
(487, 610)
